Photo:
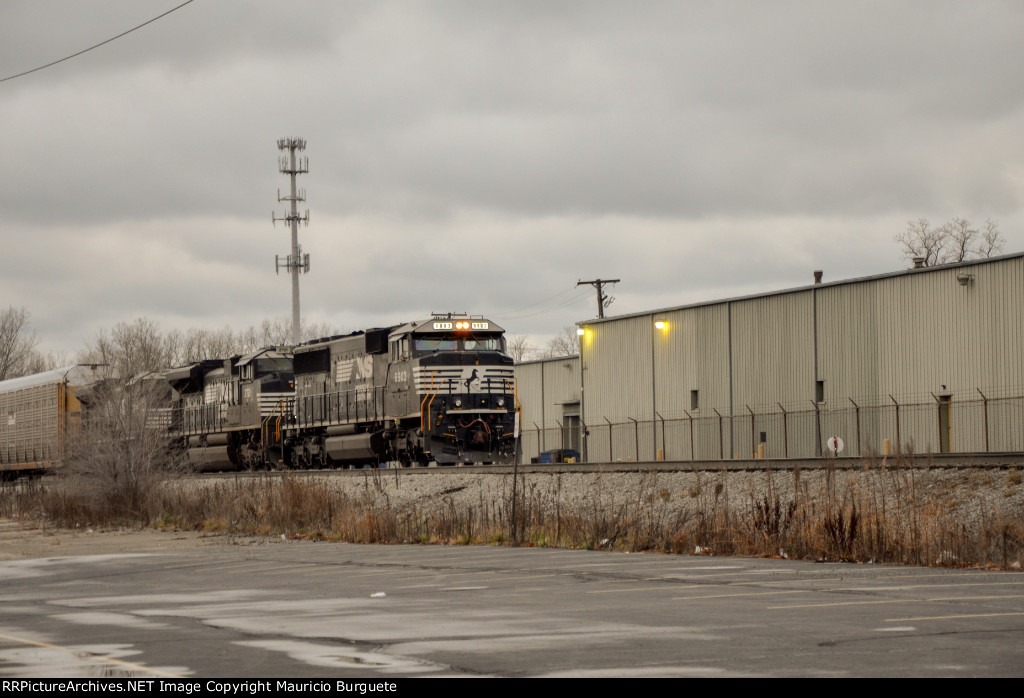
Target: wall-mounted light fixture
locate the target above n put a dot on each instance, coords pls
(964, 278)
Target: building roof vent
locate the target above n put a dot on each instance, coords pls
(818, 273)
(918, 262)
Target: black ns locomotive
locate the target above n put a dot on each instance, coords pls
(439, 390)
(231, 412)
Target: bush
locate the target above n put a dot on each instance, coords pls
(121, 457)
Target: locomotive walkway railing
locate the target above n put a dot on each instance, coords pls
(203, 419)
(342, 407)
(938, 425)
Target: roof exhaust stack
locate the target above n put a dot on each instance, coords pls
(818, 273)
(918, 262)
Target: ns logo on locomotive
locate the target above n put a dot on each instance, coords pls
(442, 390)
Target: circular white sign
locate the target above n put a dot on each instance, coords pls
(834, 445)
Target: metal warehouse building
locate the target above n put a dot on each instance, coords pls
(549, 390)
(927, 359)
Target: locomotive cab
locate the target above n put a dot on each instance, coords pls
(266, 383)
(458, 386)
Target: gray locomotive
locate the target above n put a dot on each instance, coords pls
(440, 390)
(231, 412)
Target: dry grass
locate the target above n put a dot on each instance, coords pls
(881, 513)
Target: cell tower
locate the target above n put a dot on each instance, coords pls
(296, 262)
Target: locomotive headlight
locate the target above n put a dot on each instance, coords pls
(458, 402)
(501, 402)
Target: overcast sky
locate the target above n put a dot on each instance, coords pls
(484, 156)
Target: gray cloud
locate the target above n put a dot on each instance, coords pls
(476, 156)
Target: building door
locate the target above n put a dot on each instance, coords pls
(571, 426)
(945, 424)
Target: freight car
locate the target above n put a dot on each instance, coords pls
(437, 390)
(40, 413)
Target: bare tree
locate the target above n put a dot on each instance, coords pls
(565, 343)
(39, 362)
(992, 241)
(278, 331)
(316, 330)
(123, 451)
(17, 344)
(196, 344)
(954, 241)
(130, 348)
(519, 348)
(140, 346)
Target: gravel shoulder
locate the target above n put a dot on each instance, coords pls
(23, 540)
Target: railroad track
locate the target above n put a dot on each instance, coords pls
(981, 461)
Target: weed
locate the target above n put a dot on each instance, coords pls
(882, 512)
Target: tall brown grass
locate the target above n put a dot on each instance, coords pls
(880, 513)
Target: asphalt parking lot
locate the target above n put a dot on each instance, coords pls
(301, 609)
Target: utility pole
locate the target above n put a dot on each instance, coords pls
(296, 262)
(602, 300)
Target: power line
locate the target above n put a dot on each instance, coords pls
(73, 55)
(530, 305)
(542, 311)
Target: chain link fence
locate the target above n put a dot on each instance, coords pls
(985, 425)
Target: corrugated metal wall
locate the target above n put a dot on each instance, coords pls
(617, 376)
(918, 336)
(910, 335)
(544, 389)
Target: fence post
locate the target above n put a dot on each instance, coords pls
(785, 432)
(721, 442)
(817, 428)
(538, 440)
(753, 449)
(664, 444)
(691, 432)
(985, 411)
(611, 452)
(899, 442)
(636, 437)
(856, 412)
